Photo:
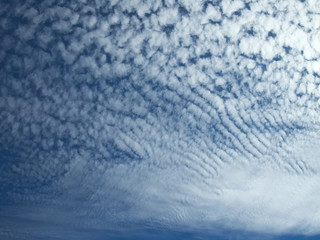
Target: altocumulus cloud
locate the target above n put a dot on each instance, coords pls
(124, 115)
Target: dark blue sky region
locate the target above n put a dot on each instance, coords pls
(171, 119)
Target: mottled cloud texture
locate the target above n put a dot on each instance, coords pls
(125, 115)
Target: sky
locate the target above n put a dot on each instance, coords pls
(160, 119)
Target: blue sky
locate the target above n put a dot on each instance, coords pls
(171, 119)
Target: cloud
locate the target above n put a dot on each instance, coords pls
(172, 114)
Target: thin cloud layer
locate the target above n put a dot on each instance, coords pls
(123, 115)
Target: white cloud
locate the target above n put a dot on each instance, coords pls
(117, 121)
